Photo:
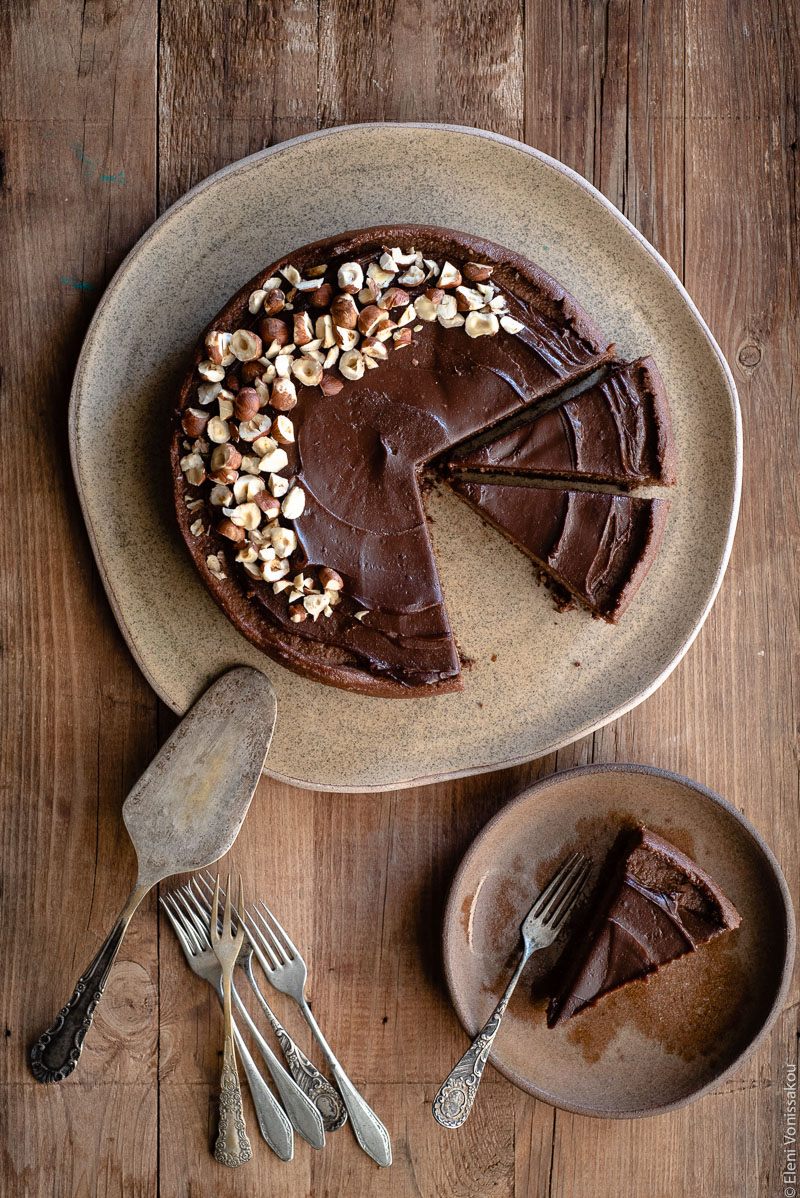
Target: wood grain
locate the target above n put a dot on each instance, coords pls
(685, 115)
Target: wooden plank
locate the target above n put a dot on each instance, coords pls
(77, 139)
(233, 78)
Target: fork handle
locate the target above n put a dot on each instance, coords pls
(55, 1054)
(453, 1103)
(305, 1073)
(232, 1147)
(372, 1136)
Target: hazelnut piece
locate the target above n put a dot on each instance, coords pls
(218, 430)
(284, 395)
(477, 272)
(272, 329)
(481, 324)
(283, 430)
(330, 580)
(225, 456)
(307, 371)
(321, 298)
(351, 364)
(274, 302)
(230, 530)
(218, 346)
(350, 277)
(247, 404)
(303, 330)
(369, 319)
(194, 422)
(246, 345)
(450, 276)
(344, 312)
(210, 371)
(394, 297)
(330, 385)
(294, 503)
(269, 505)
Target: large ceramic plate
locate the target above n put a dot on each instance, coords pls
(524, 696)
(653, 1045)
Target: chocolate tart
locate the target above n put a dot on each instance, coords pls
(358, 604)
(618, 431)
(597, 546)
(656, 905)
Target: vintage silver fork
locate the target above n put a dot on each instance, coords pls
(325, 1098)
(232, 1147)
(275, 1127)
(541, 925)
(286, 970)
(303, 1114)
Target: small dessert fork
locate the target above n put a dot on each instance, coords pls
(542, 924)
(232, 1146)
(286, 970)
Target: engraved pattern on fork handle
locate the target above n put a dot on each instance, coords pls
(312, 1083)
(315, 1087)
(232, 1147)
(453, 1103)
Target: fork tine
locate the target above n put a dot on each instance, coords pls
(280, 949)
(185, 938)
(260, 942)
(199, 925)
(226, 918)
(570, 898)
(213, 923)
(554, 883)
(287, 943)
(199, 878)
(240, 919)
(565, 879)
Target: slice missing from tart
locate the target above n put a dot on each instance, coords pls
(655, 906)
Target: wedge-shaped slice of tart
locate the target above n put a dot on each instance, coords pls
(656, 905)
(596, 545)
(618, 431)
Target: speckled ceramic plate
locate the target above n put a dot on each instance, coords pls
(653, 1045)
(524, 696)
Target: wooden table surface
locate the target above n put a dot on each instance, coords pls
(685, 114)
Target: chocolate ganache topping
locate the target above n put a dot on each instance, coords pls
(618, 431)
(598, 546)
(442, 342)
(658, 906)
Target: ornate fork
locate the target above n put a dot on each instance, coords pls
(544, 921)
(275, 1127)
(286, 970)
(303, 1115)
(232, 1146)
(304, 1072)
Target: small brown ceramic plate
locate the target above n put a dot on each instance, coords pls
(655, 1044)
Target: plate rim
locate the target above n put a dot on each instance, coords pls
(450, 919)
(597, 197)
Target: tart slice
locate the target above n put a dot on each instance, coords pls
(618, 431)
(596, 545)
(657, 905)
